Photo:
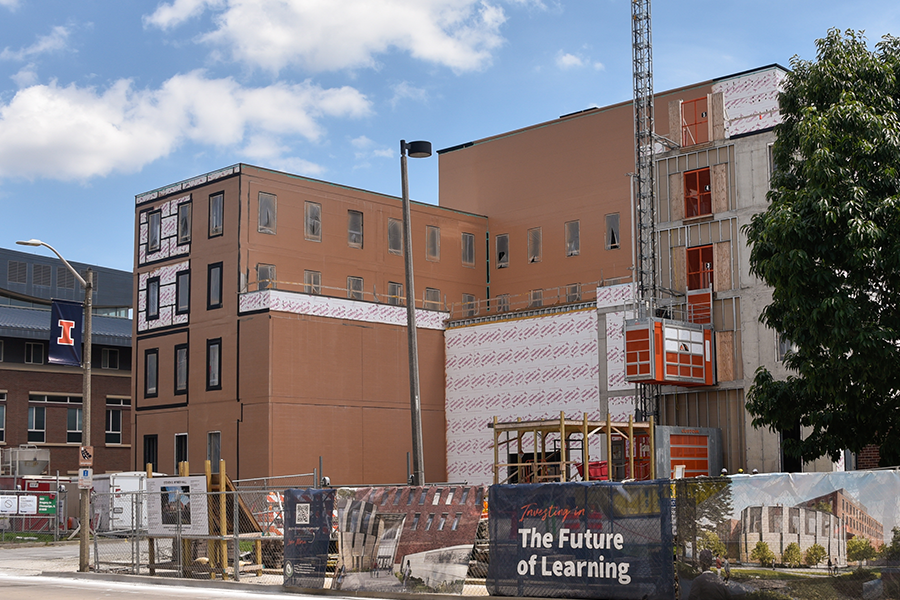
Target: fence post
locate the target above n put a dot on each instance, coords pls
(223, 521)
(151, 543)
(236, 558)
(210, 543)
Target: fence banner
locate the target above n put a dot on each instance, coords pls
(406, 539)
(171, 507)
(800, 535)
(65, 333)
(581, 540)
(307, 534)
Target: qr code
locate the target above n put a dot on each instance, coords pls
(302, 514)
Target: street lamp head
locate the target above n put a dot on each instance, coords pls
(419, 149)
(31, 242)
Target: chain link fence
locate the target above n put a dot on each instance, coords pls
(37, 513)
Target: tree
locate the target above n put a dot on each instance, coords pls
(792, 555)
(860, 549)
(814, 555)
(829, 246)
(762, 554)
(891, 552)
(708, 540)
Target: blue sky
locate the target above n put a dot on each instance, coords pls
(103, 100)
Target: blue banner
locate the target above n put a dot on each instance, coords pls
(307, 533)
(65, 333)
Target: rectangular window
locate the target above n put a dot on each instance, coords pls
(17, 272)
(214, 449)
(432, 299)
(216, 214)
(354, 229)
(181, 449)
(441, 523)
(312, 221)
(265, 276)
(268, 206)
(109, 358)
(182, 292)
(73, 426)
(1, 353)
(503, 251)
(573, 292)
(41, 275)
(214, 286)
(34, 353)
(65, 278)
(503, 303)
(3, 420)
(395, 293)
(468, 302)
(612, 231)
(153, 298)
(694, 122)
(456, 521)
(154, 230)
(181, 369)
(468, 250)
(184, 223)
(534, 245)
(415, 521)
(312, 282)
(429, 521)
(214, 364)
(151, 451)
(395, 236)
(697, 193)
(700, 267)
(535, 298)
(113, 426)
(355, 288)
(573, 238)
(432, 243)
(151, 373)
(37, 426)
(783, 345)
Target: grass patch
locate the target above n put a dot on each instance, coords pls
(750, 574)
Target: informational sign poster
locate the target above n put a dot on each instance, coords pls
(9, 505)
(28, 505)
(307, 533)
(177, 504)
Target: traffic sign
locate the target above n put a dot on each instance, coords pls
(86, 456)
(85, 478)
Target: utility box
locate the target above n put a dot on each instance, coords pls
(121, 501)
(688, 451)
(668, 352)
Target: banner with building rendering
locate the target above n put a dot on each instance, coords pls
(308, 515)
(823, 535)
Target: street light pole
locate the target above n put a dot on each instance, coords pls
(418, 149)
(85, 494)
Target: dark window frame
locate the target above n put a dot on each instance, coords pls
(263, 222)
(153, 283)
(467, 256)
(312, 224)
(111, 433)
(151, 451)
(32, 424)
(106, 355)
(355, 238)
(154, 393)
(183, 236)
(151, 216)
(210, 305)
(502, 250)
(395, 233)
(179, 391)
(210, 386)
(573, 237)
(186, 274)
(216, 229)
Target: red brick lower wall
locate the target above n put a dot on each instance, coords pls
(868, 457)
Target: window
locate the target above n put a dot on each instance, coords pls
(154, 232)
(216, 214)
(41, 275)
(313, 221)
(535, 298)
(503, 251)
(37, 426)
(395, 236)
(355, 288)
(312, 282)
(429, 522)
(181, 369)
(214, 449)
(694, 122)
(456, 521)
(3, 419)
(214, 286)
(468, 305)
(573, 292)
(432, 299)
(181, 449)
(268, 206)
(34, 353)
(151, 451)
(468, 250)
(214, 364)
(573, 238)
(503, 303)
(432, 243)
(153, 298)
(73, 426)
(612, 231)
(699, 267)
(113, 426)
(265, 276)
(109, 358)
(151, 372)
(354, 229)
(1, 357)
(395, 293)
(697, 194)
(184, 223)
(65, 279)
(415, 521)
(17, 272)
(782, 345)
(441, 523)
(182, 292)
(534, 245)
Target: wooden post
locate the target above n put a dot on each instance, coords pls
(563, 440)
(151, 543)
(496, 454)
(223, 520)
(585, 454)
(609, 461)
(259, 561)
(211, 547)
(631, 447)
(652, 438)
(519, 452)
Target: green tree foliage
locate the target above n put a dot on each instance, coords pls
(860, 549)
(829, 246)
(792, 555)
(708, 540)
(762, 554)
(891, 551)
(702, 505)
(814, 555)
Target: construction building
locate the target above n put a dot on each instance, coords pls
(41, 403)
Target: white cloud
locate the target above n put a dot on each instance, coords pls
(404, 90)
(57, 39)
(564, 60)
(25, 77)
(329, 35)
(365, 149)
(10, 4)
(72, 133)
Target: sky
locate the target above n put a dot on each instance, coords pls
(103, 100)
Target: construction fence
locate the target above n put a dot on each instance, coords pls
(37, 511)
